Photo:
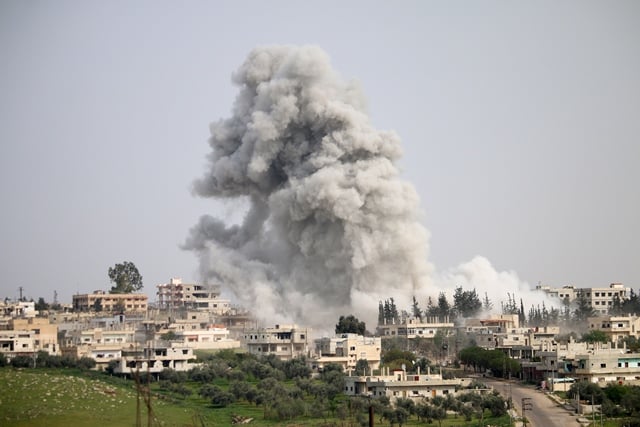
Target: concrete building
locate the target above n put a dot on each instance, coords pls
(601, 298)
(27, 336)
(285, 341)
(402, 385)
(413, 328)
(213, 337)
(606, 365)
(18, 309)
(346, 350)
(175, 294)
(110, 302)
(155, 359)
(616, 328)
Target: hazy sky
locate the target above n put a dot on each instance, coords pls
(520, 124)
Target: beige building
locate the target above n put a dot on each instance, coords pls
(346, 350)
(607, 365)
(601, 299)
(136, 303)
(211, 337)
(285, 341)
(414, 328)
(176, 294)
(27, 336)
(616, 327)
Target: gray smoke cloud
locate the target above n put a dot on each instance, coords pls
(330, 228)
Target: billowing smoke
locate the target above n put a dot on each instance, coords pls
(498, 286)
(331, 228)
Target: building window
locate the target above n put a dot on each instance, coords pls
(603, 365)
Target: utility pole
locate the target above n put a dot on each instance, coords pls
(526, 405)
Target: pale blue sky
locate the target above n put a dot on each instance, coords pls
(519, 120)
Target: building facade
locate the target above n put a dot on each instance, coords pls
(399, 384)
(136, 303)
(415, 328)
(346, 350)
(601, 298)
(284, 341)
(616, 328)
(175, 294)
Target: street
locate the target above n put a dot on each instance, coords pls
(545, 412)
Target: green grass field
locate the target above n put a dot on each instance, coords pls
(67, 397)
(52, 397)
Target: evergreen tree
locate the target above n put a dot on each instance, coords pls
(466, 303)
(583, 310)
(487, 305)
(393, 310)
(417, 313)
(521, 318)
(444, 309)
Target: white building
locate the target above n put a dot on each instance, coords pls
(402, 385)
(155, 359)
(285, 341)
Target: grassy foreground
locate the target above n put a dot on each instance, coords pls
(69, 397)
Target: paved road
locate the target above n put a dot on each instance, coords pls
(545, 413)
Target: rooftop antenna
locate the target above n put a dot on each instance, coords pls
(20, 289)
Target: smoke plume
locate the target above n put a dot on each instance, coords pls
(330, 228)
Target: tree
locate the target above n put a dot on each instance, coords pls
(417, 313)
(466, 303)
(350, 325)
(595, 336)
(362, 367)
(487, 305)
(444, 308)
(41, 305)
(97, 305)
(583, 310)
(126, 277)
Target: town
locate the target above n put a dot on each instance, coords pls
(577, 347)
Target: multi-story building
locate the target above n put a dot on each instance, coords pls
(27, 336)
(616, 327)
(413, 328)
(601, 299)
(155, 359)
(102, 345)
(402, 385)
(176, 294)
(285, 341)
(346, 350)
(110, 302)
(606, 365)
(18, 309)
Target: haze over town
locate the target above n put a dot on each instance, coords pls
(518, 128)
